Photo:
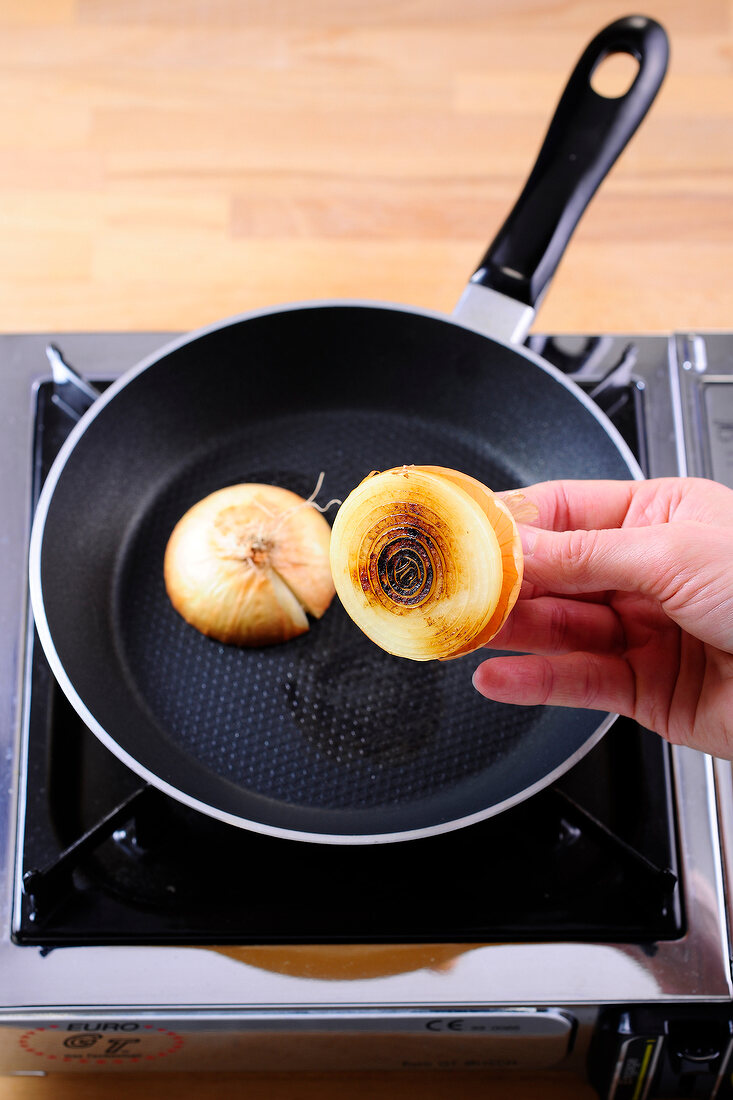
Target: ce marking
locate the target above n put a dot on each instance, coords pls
(457, 1024)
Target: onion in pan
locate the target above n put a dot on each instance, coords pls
(248, 563)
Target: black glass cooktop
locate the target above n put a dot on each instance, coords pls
(107, 859)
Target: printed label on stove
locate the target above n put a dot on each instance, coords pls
(99, 1043)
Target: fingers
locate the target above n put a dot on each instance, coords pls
(570, 505)
(670, 540)
(548, 625)
(585, 505)
(651, 560)
(587, 680)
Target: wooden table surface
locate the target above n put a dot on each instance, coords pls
(164, 163)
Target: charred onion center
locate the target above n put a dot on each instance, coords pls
(405, 568)
(402, 557)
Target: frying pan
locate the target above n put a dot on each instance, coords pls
(327, 738)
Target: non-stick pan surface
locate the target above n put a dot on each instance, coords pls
(325, 737)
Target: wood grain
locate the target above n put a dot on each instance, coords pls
(168, 163)
(164, 163)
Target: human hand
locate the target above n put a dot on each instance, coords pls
(626, 606)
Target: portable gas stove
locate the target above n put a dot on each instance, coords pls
(585, 929)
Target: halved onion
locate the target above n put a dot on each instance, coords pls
(427, 561)
(248, 563)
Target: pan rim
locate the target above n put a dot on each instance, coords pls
(66, 685)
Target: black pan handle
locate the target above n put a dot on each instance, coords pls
(585, 137)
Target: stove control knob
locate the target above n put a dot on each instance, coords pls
(695, 1047)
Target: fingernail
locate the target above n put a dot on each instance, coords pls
(529, 536)
(476, 679)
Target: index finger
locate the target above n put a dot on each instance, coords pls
(580, 505)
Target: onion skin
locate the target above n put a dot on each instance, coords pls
(248, 563)
(426, 561)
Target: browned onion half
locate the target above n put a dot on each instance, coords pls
(427, 561)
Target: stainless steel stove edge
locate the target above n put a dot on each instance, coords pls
(78, 981)
(23, 364)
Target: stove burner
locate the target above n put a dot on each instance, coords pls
(107, 860)
(148, 869)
